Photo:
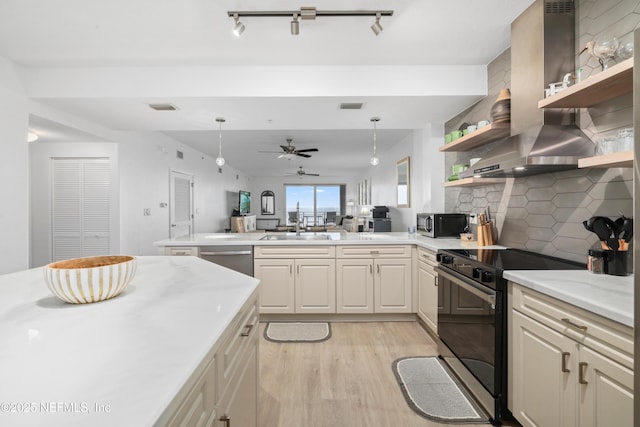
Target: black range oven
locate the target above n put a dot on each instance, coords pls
(472, 322)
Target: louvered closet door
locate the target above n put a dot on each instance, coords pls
(81, 207)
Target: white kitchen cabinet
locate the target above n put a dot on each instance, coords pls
(374, 279)
(428, 289)
(181, 250)
(277, 292)
(392, 286)
(296, 279)
(226, 390)
(315, 285)
(354, 285)
(567, 367)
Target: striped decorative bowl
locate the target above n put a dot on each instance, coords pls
(92, 279)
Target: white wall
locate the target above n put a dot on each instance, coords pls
(145, 164)
(426, 165)
(14, 171)
(41, 155)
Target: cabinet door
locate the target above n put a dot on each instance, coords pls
(392, 285)
(428, 296)
(607, 397)
(354, 285)
(315, 286)
(276, 285)
(542, 393)
(241, 407)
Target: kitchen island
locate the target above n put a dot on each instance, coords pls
(130, 361)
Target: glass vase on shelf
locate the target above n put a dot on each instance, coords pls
(605, 49)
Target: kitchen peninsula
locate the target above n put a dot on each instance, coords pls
(148, 357)
(607, 296)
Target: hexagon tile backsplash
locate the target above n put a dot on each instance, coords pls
(544, 213)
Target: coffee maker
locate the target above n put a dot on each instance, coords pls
(380, 221)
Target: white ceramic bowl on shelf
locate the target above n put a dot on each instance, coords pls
(91, 279)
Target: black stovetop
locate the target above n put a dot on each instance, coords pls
(516, 259)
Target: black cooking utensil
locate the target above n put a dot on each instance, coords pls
(599, 226)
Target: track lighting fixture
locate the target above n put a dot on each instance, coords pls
(374, 159)
(295, 25)
(238, 28)
(376, 27)
(305, 13)
(220, 160)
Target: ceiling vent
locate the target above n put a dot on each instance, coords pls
(351, 106)
(163, 107)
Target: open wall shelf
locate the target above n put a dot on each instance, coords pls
(611, 83)
(480, 137)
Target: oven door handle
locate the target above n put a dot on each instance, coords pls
(489, 297)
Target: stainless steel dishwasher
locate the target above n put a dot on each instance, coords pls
(238, 258)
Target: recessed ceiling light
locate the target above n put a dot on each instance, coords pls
(163, 107)
(351, 106)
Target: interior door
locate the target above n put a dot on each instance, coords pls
(180, 204)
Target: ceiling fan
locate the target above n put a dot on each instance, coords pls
(300, 172)
(289, 151)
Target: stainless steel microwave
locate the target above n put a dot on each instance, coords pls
(441, 224)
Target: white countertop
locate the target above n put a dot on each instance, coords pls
(130, 354)
(336, 238)
(603, 294)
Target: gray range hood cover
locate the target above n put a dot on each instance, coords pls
(539, 149)
(543, 140)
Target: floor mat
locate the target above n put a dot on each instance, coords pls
(431, 391)
(297, 331)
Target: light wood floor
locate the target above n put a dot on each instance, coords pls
(345, 381)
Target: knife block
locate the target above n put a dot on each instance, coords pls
(486, 234)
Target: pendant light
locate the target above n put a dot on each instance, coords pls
(374, 159)
(220, 159)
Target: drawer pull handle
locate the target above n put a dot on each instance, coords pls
(375, 252)
(565, 357)
(582, 368)
(569, 322)
(226, 420)
(247, 331)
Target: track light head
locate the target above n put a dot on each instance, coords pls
(376, 27)
(295, 25)
(238, 28)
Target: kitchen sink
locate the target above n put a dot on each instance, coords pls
(302, 236)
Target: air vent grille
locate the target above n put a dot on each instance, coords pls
(351, 106)
(558, 7)
(163, 107)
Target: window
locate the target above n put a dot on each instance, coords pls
(315, 201)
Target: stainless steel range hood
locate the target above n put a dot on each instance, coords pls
(543, 140)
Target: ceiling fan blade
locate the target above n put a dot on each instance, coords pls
(312, 174)
(269, 151)
(303, 155)
(306, 150)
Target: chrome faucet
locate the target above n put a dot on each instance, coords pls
(297, 218)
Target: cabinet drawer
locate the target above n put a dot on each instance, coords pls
(181, 251)
(427, 256)
(382, 251)
(302, 251)
(243, 330)
(603, 335)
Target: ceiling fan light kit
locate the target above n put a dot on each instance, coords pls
(305, 13)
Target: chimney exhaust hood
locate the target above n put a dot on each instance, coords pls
(543, 140)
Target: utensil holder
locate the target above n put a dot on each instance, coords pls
(617, 263)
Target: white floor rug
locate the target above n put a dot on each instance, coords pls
(431, 392)
(297, 331)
